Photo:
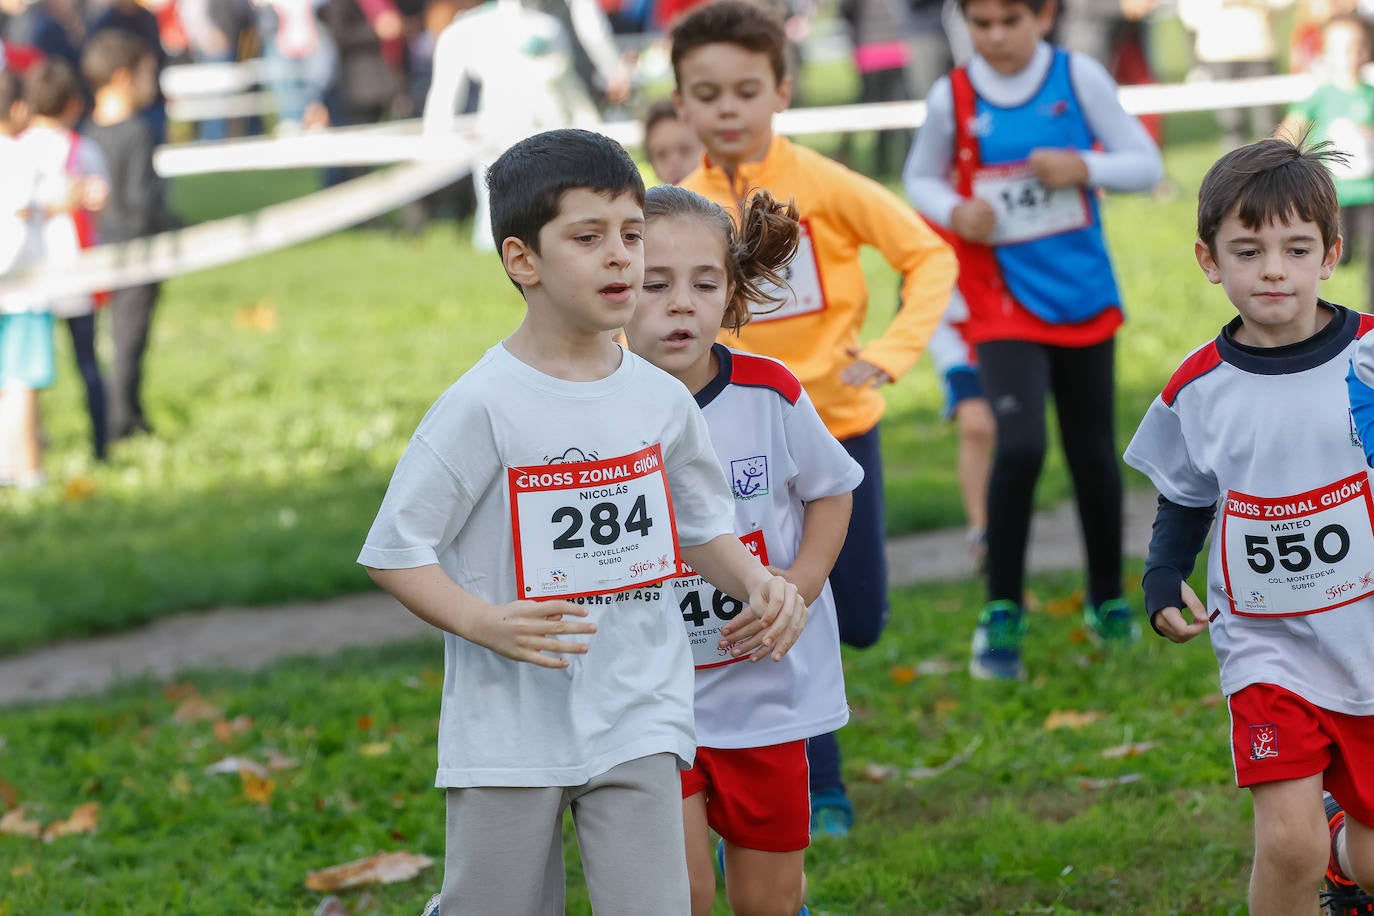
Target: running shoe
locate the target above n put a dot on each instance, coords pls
(1340, 896)
(996, 650)
(1112, 623)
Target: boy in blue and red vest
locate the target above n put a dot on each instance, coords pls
(1013, 150)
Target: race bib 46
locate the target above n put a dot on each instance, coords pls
(1300, 554)
(705, 609)
(593, 527)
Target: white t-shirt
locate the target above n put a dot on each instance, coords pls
(778, 455)
(1290, 578)
(58, 167)
(16, 194)
(509, 723)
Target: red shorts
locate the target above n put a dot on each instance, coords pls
(1277, 735)
(756, 797)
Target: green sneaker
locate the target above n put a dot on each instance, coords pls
(1112, 623)
(996, 649)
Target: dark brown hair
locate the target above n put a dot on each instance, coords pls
(757, 252)
(1272, 180)
(49, 87)
(734, 22)
(662, 110)
(108, 52)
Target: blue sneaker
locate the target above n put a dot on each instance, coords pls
(996, 649)
(1112, 623)
(831, 814)
(431, 908)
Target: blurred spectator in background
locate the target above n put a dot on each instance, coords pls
(120, 68)
(602, 68)
(881, 55)
(26, 345)
(1342, 110)
(1235, 39)
(670, 145)
(132, 17)
(367, 36)
(300, 59)
(53, 27)
(73, 186)
(929, 55)
(518, 60)
(214, 30)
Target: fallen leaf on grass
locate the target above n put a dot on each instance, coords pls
(180, 784)
(20, 871)
(382, 868)
(79, 488)
(933, 667)
(82, 820)
(276, 760)
(9, 795)
(236, 765)
(375, 749)
(14, 823)
(257, 788)
(879, 772)
(1091, 783)
(261, 317)
(1128, 749)
(331, 906)
(196, 709)
(1071, 718)
(902, 674)
(1065, 607)
(226, 729)
(946, 706)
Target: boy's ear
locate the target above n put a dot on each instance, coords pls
(1206, 261)
(521, 261)
(784, 94)
(1333, 257)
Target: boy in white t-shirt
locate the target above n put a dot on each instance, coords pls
(539, 507)
(1256, 422)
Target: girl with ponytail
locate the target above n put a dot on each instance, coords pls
(792, 483)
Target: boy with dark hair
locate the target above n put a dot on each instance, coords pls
(534, 516)
(73, 187)
(1009, 161)
(1257, 423)
(729, 59)
(122, 71)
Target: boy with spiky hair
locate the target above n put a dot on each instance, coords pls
(535, 514)
(730, 61)
(1255, 425)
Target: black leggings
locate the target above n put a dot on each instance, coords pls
(82, 329)
(1017, 375)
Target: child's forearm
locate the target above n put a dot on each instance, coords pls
(728, 565)
(429, 593)
(1176, 540)
(824, 525)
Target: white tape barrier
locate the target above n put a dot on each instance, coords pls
(235, 238)
(400, 140)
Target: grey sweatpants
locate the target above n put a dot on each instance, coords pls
(504, 849)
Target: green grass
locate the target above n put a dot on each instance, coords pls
(284, 388)
(1014, 829)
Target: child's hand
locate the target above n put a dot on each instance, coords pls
(860, 372)
(525, 630)
(809, 587)
(1170, 622)
(92, 194)
(775, 617)
(974, 219)
(1058, 168)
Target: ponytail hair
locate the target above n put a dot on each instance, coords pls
(757, 251)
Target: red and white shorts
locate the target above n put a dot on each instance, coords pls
(756, 797)
(1277, 735)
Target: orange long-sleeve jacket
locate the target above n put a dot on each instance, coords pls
(813, 333)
